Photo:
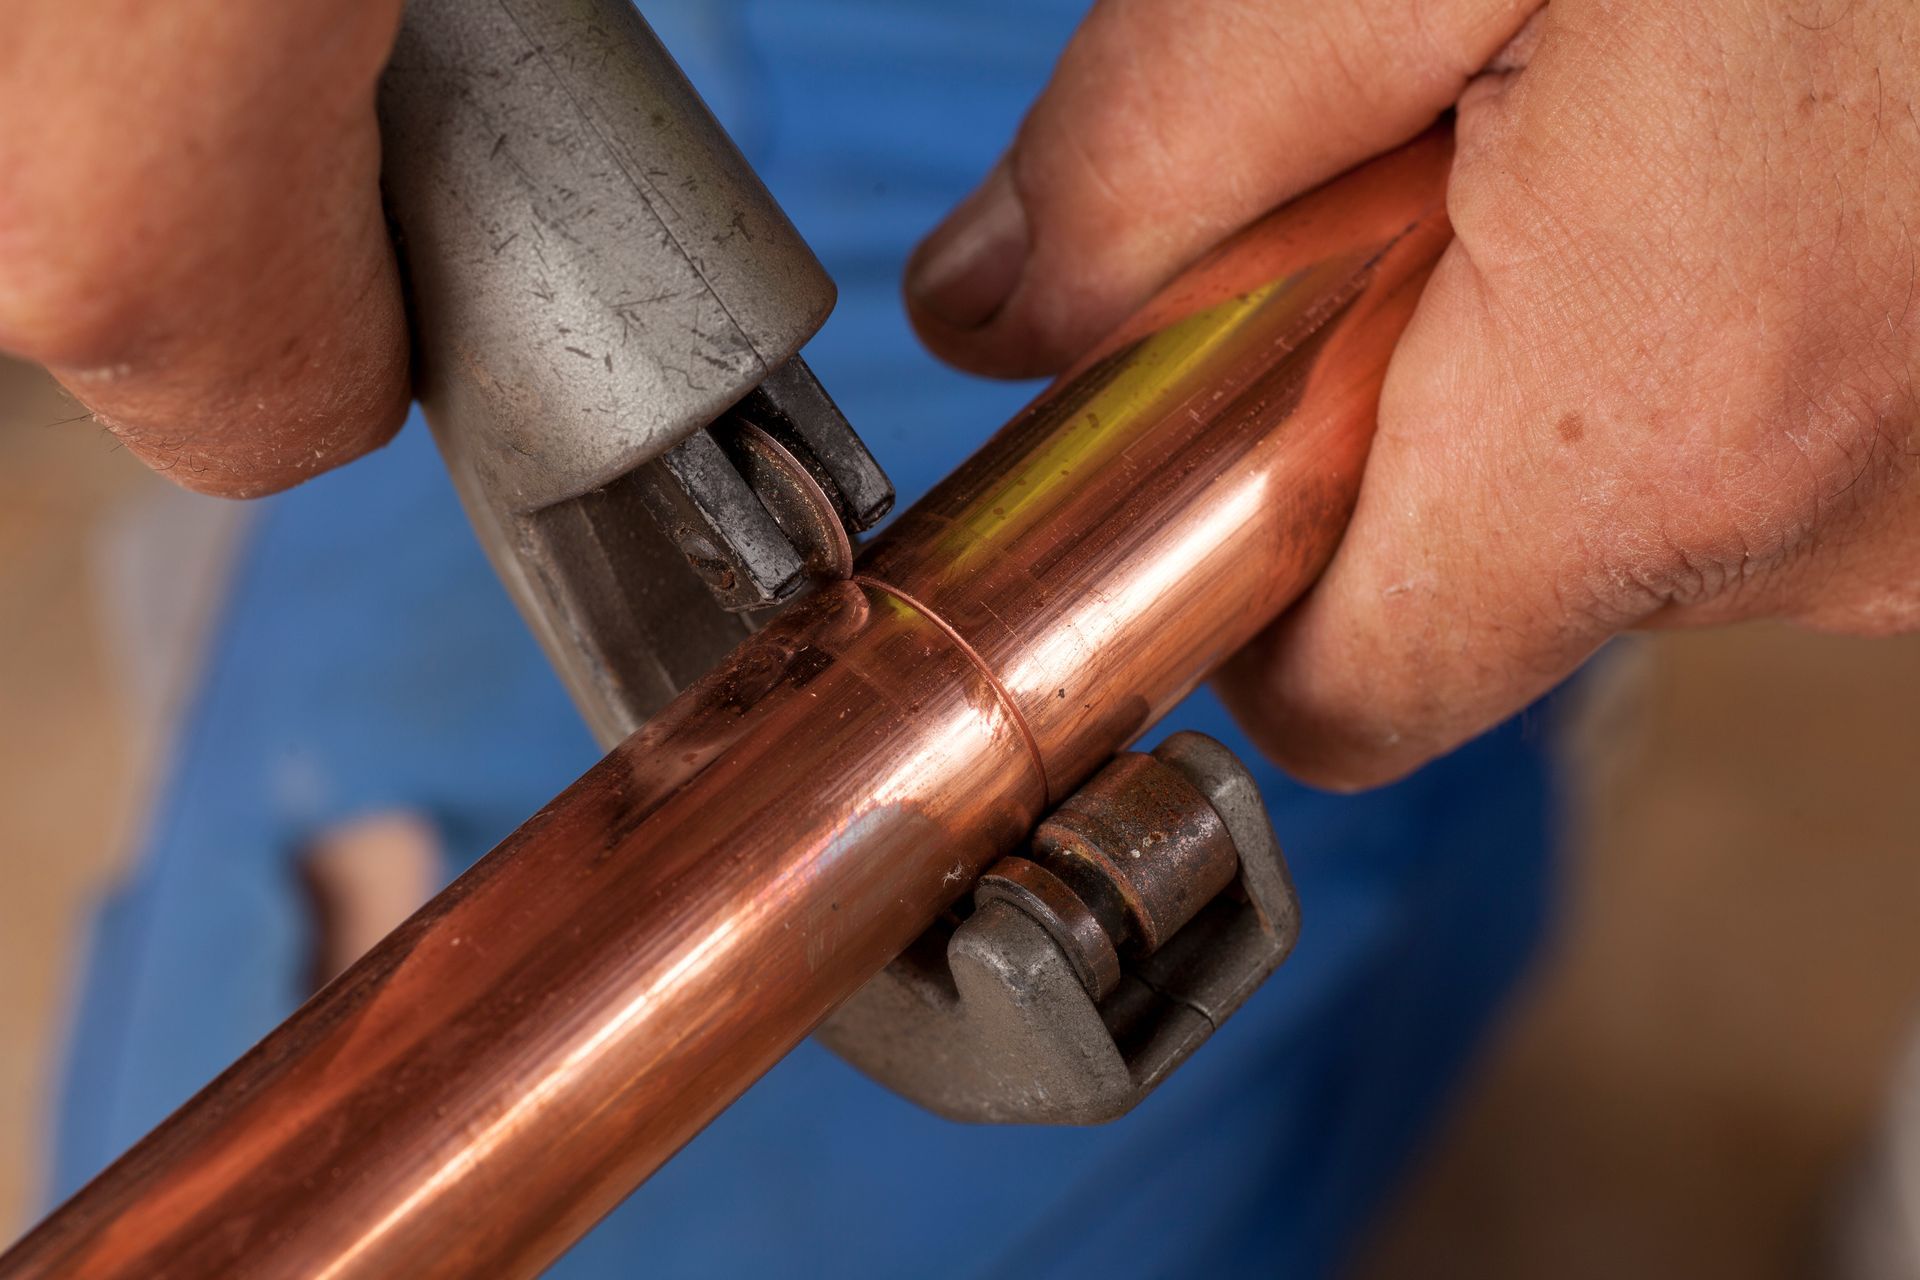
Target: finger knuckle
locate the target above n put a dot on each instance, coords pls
(1508, 207)
(1658, 572)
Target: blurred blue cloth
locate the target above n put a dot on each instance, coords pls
(368, 660)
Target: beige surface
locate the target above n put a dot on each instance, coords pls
(1670, 1098)
(363, 877)
(1692, 1072)
(105, 579)
(65, 773)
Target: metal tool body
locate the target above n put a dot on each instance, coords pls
(474, 1094)
(607, 308)
(1025, 1010)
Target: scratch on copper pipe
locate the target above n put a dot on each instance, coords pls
(1006, 698)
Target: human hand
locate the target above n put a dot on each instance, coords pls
(1664, 375)
(191, 236)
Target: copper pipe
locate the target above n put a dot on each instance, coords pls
(495, 1076)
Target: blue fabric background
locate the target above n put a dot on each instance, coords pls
(367, 659)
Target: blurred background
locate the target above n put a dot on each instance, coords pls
(1686, 1085)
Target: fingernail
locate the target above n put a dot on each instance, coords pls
(964, 272)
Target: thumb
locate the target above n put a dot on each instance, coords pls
(1167, 125)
